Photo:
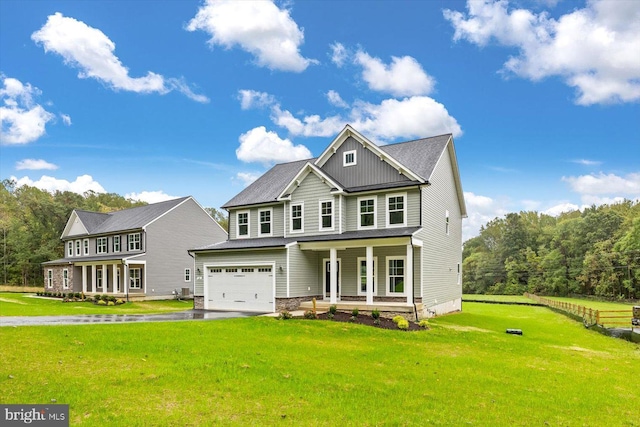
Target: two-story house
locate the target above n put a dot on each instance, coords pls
(136, 253)
(360, 224)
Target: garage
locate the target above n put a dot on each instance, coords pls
(239, 288)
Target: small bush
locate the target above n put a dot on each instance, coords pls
(330, 316)
(285, 315)
(353, 319)
(403, 324)
(111, 298)
(376, 321)
(333, 309)
(78, 295)
(397, 319)
(375, 313)
(120, 301)
(424, 323)
(110, 303)
(310, 314)
(102, 302)
(355, 312)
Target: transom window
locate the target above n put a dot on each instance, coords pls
(326, 215)
(396, 209)
(395, 275)
(135, 281)
(362, 284)
(265, 222)
(134, 242)
(367, 209)
(101, 245)
(296, 218)
(243, 224)
(349, 158)
(116, 243)
(65, 279)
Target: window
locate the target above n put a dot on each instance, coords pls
(65, 279)
(187, 274)
(231, 270)
(265, 222)
(70, 249)
(446, 222)
(50, 278)
(396, 210)
(459, 276)
(242, 219)
(349, 158)
(367, 209)
(85, 246)
(395, 275)
(296, 218)
(362, 284)
(215, 270)
(134, 278)
(247, 270)
(134, 242)
(101, 245)
(99, 278)
(116, 243)
(78, 248)
(264, 270)
(326, 215)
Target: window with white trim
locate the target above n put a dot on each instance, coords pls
(99, 278)
(446, 222)
(396, 275)
(116, 243)
(135, 281)
(49, 278)
(326, 215)
(65, 279)
(396, 210)
(349, 158)
(265, 222)
(367, 212)
(297, 211)
(78, 250)
(362, 279)
(101, 245)
(187, 274)
(134, 242)
(70, 249)
(459, 275)
(85, 246)
(242, 224)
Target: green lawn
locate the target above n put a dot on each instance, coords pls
(596, 305)
(262, 371)
(14, 304)
(498, 298)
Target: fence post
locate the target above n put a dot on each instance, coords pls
(597, 317)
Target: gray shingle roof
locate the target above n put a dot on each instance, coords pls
(265, 242)
(110, 257)
(420, 155)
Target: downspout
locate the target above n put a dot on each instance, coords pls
(413, 279)
(194, 275)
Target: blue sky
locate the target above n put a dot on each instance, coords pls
(162, 99)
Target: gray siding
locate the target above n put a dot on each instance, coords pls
(352, 208)
(369, 169)
(441, 252)
(302, 273)
(310, 192)
(277, 221)
(167, 242)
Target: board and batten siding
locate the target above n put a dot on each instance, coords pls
(254, 257)
(441, 253)
(412, 208)
(310, 191)
(167, 241)
(302, 273)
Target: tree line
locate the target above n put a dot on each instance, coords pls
(595, 251)
(32, 221)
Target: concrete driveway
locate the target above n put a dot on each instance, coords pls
(92, 319)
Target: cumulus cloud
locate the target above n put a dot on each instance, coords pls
(605, 184)
(335, 99)
(150, 196)
(35, 164)
(81, 185)
(92, 52)
(480, 210)
(258, 27)
(22, 120)
(338, 54)
(267, 148)
(253, 99)
(404, 76)
(594, 49)
(247, 177)
(560, 208)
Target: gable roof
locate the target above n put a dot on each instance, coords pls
(127, 219)
(302, 174)
(420, 155)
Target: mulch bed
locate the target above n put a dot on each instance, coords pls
(363, 319)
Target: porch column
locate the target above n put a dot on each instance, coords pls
(369, 252)
(84, 279)
(94, 275)
(105, 280)
(125, 278)
(333, 275)
(408, 274)
(114, 277)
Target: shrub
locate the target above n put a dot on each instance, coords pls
(403, 324)
(397, 319)
(105, 297)
(376, 321)
(102, 302)
(333, 309)
(353, 319)
(330, 316)
(78, 295)
(285, 314)
(111, 298)
(110, 303)
(375, 313)
(120, 301)
(355, 312)
(310, 314)
(424, 323)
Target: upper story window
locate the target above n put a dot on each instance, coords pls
(78, 248)
(242, 220)
(367, 212)
(349, 158)
(187, 274)
(446, 222)
(326, 215)
(396, 210)
(101, 245)
(297, 225)
(85, 246)
(134, 242)
(116, 243)
(265, 222)
(69, 249)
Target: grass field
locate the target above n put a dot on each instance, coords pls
(261, 371)
(596, 305)
(33, 289)
(498, 298)
(13, 304)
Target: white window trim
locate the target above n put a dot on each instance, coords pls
(85, 247)
(139, 270)
(102, 249)
(375, 213)
(99, 278)
(70, 248)
(386, 284)
(49, 279)
(244, 236)
(355, 158)
(187, 275)
(404, 210)
(78, 245)
(333, 216)
(119, 243)
(130, 245)
(447, 227)
(65, 278)
(375, 275)
(324, 277)
(291, 230)
(260, 233)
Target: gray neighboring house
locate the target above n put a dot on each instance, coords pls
(361, 225)
(138, 253)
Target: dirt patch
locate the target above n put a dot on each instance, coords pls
(464, 328)
(582, 350)
(13, 301)
(368, 321)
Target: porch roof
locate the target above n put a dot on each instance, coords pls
(82, 259)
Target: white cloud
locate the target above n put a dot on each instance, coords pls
(258, 145)
(66, 119)
(338, 54)
(81, 185)
(258, 27)
(595, 49)
(22, 120)
(605, 184)
(312, 125)
(92, 52)
(586, 162)
(247, 177)
(403, 77)
(254, 99)
(35, 164)
(335, 99)
(561, 208)
(480, 210)
(150, 196)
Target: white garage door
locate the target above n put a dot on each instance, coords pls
(246, 288)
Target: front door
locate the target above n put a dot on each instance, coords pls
(327, 278)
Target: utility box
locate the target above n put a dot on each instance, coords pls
(636, 316)
(185, 292)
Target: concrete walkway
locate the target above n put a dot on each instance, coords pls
(92, 319)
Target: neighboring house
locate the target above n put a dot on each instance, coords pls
(360, 224)
(138, 253)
